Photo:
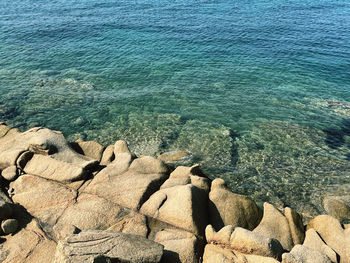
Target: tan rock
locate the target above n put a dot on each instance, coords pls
(90, 212)
(92, 245)
(217, 254)
(332, 233)
(149, 165)
(49, 168)
(108, 155)
(129, 189)
(275, 225)
(30, 245)
(227, 208)
(44, 199)
(135, 224)
(181, 206)
(337, 206)
(314, 241)
(91, 149)
(179, 246)
(303, 254)
(10, 173)
(295, 222)
(3, 129)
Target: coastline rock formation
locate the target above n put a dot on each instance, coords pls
(81, 202)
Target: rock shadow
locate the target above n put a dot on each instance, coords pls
(335, 138)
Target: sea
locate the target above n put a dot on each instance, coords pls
(257, 92)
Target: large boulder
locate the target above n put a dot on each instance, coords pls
(90, 149)
(314, 241)
(333, 234)
(182, 206)
(40, 141)
(94, 245)
(227, 208)
(42, 198)
(303, 254)
(179, 246)
(287, 229)
(338, 207)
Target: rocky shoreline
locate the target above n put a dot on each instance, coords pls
(82, 202)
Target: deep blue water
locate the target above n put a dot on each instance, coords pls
(258, 92)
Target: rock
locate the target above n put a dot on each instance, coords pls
(314, 241)
(295, 222)
(40, 141)
(30, 245)
(248, 242)
(182, 206)
(175, 157)
(303, 254)
(10, 173)
(332, 233)
(179, 246)
(89, 245)
(5, 208)
(288, 230)
(91, 212)
(91, 149)
(121, 146)
(217, 254)
(129, 189)
(227, 208)
(135, 224)
(49, 168)
(3, 129)
(149, 165)
(183, 175)
(337, 206)
(42, 198)
(244, 241)
(108, 155)
(9, 226)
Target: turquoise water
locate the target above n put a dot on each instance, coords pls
(258, 92)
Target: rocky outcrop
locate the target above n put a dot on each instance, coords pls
(82, 203)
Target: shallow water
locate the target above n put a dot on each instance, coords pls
(258, 93)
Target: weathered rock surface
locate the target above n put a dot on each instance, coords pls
(333, 234)
(182, 206)
(44, 199)
(179, 246)
(10, 173)
(227, 208)
(108, 155)
(338, 206)
(303, 254)
(288, 229)
(90, 149)
(90, 245)
(314, 241)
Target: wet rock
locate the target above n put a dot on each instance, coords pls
(108, 155)
(10, 173)
(9, 226)
(303, 254)
(333, 234)
(283, 228)
(91, 149)
(175, 157)
(314, 241)
(337, 206)
(179, 246)
(227, 208)
(149, 165)
(182, 206)
(91, 244)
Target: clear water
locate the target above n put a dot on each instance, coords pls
(257, 91)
